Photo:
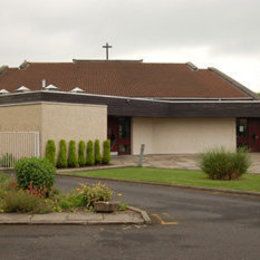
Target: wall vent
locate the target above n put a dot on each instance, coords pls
(77, 90)
(4, 91)
(51, 87)
(22, 89)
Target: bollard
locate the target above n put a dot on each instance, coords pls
(141, 156)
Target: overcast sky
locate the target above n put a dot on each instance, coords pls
(220, 33)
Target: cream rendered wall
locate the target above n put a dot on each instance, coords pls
(56, 121)
(73, 122)
(182, 135)
(18, 118)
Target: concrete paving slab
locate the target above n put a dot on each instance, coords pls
(50, 218)
(14, 218)
(123, 217)
(85, 217)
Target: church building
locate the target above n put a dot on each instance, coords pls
(171, 108)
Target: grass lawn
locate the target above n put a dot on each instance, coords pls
(173, 176)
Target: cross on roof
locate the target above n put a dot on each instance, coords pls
(107, 47)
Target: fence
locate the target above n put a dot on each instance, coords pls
(15, 145)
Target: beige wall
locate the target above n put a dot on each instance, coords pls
(56, 121)
(20, 118)
(73, 122)
(186, 135)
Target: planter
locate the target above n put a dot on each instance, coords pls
(105, 206)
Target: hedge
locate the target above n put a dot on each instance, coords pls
(90, 154)
(62, 156)
(72, 156)
(98, 158)
(82, 154)
(106, 152)
(50, 153)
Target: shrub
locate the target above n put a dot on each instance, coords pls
(72, 157)
(50, 152)
(62, 156)
(24, 202)
(86, 195)
(98, 158)
(90, 154)
(36, 172)
(222, 165)
(106, 152)
(82, 154)
(7, 160)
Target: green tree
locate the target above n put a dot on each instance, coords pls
(62, 156)
(72, 157)
(98, 158)
(90, 154)
(82, 153)
(50, 153)
(106, 152)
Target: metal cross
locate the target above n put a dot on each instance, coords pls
(107, 47)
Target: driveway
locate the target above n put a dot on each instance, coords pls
(187, 225)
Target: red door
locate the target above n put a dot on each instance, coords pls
(254, 134)
(119, 133)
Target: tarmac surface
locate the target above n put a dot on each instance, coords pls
(187, 224)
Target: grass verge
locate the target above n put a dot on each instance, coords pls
(247, 182)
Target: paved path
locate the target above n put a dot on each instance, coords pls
(209, 226)
(177, 161)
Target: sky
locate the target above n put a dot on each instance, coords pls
(209, 33)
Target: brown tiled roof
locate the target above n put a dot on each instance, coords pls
(125, 78)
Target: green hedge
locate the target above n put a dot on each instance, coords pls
(62, 156)
(35, 172)
(72, 156)
(90, 154)
(50, 153)
(98, 158)
(106, 152)
(82, 154)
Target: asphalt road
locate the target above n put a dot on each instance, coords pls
(209, 226)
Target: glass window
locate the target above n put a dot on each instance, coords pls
(242, 127)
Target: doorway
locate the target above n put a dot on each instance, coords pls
(119, 133)
(248, 133)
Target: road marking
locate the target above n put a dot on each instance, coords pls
(162, 222)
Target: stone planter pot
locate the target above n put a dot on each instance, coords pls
(106, 207)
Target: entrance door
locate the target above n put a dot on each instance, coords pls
(254, 135)
(248, 133)
(119, 132)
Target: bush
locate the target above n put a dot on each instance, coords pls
(62, 156)
(35, 172)
(106, 152)
(98, 158)
(82, 154)
(90, 154)
(86, 195)
(50, 152)
(219, 164)
(72, 157)
(7, 160)
(24, 202)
